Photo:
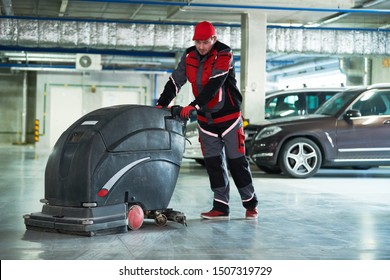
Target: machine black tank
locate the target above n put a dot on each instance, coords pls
(105, 162)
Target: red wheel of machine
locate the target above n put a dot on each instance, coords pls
(135, 217)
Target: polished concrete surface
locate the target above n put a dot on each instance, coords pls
(338, 214)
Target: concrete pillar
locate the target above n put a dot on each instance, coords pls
(357, 70)
(380, 70)
(253, 64)
(24, 109)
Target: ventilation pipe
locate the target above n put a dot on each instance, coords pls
(71, 34)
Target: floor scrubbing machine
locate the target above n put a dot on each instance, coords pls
(112, 169)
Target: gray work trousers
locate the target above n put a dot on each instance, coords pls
(222, 148)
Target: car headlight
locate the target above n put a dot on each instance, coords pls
(267, 132)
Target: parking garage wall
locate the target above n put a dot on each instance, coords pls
(94, 90)
(86, 91)
(11, 106)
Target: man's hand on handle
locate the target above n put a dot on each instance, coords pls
(186, 111)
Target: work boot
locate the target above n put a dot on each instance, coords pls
(215, 215)
(251, 214)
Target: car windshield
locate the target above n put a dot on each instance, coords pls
(333, 105)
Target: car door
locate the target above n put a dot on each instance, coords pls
(367, 137)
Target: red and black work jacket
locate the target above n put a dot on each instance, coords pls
(212, 77)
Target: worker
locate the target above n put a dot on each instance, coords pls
(209, 67)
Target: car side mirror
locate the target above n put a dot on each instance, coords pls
(267, 116)
(352, 113)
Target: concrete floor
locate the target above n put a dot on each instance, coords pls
(338, 214)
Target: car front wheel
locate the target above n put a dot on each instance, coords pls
(300, 158)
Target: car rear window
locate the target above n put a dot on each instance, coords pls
(296, 103)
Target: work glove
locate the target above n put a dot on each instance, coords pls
(186, 111)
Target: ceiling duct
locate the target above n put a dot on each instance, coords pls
(328, 41)
(69, 34)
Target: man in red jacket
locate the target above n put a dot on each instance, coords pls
(209, 67)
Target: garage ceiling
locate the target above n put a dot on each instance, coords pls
(304, 13)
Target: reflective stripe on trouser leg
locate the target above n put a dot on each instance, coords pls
(215, 163)
(238, 164)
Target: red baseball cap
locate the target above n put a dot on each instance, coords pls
(203, 31)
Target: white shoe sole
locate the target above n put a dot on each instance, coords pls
(215, 218)
(251, 218)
